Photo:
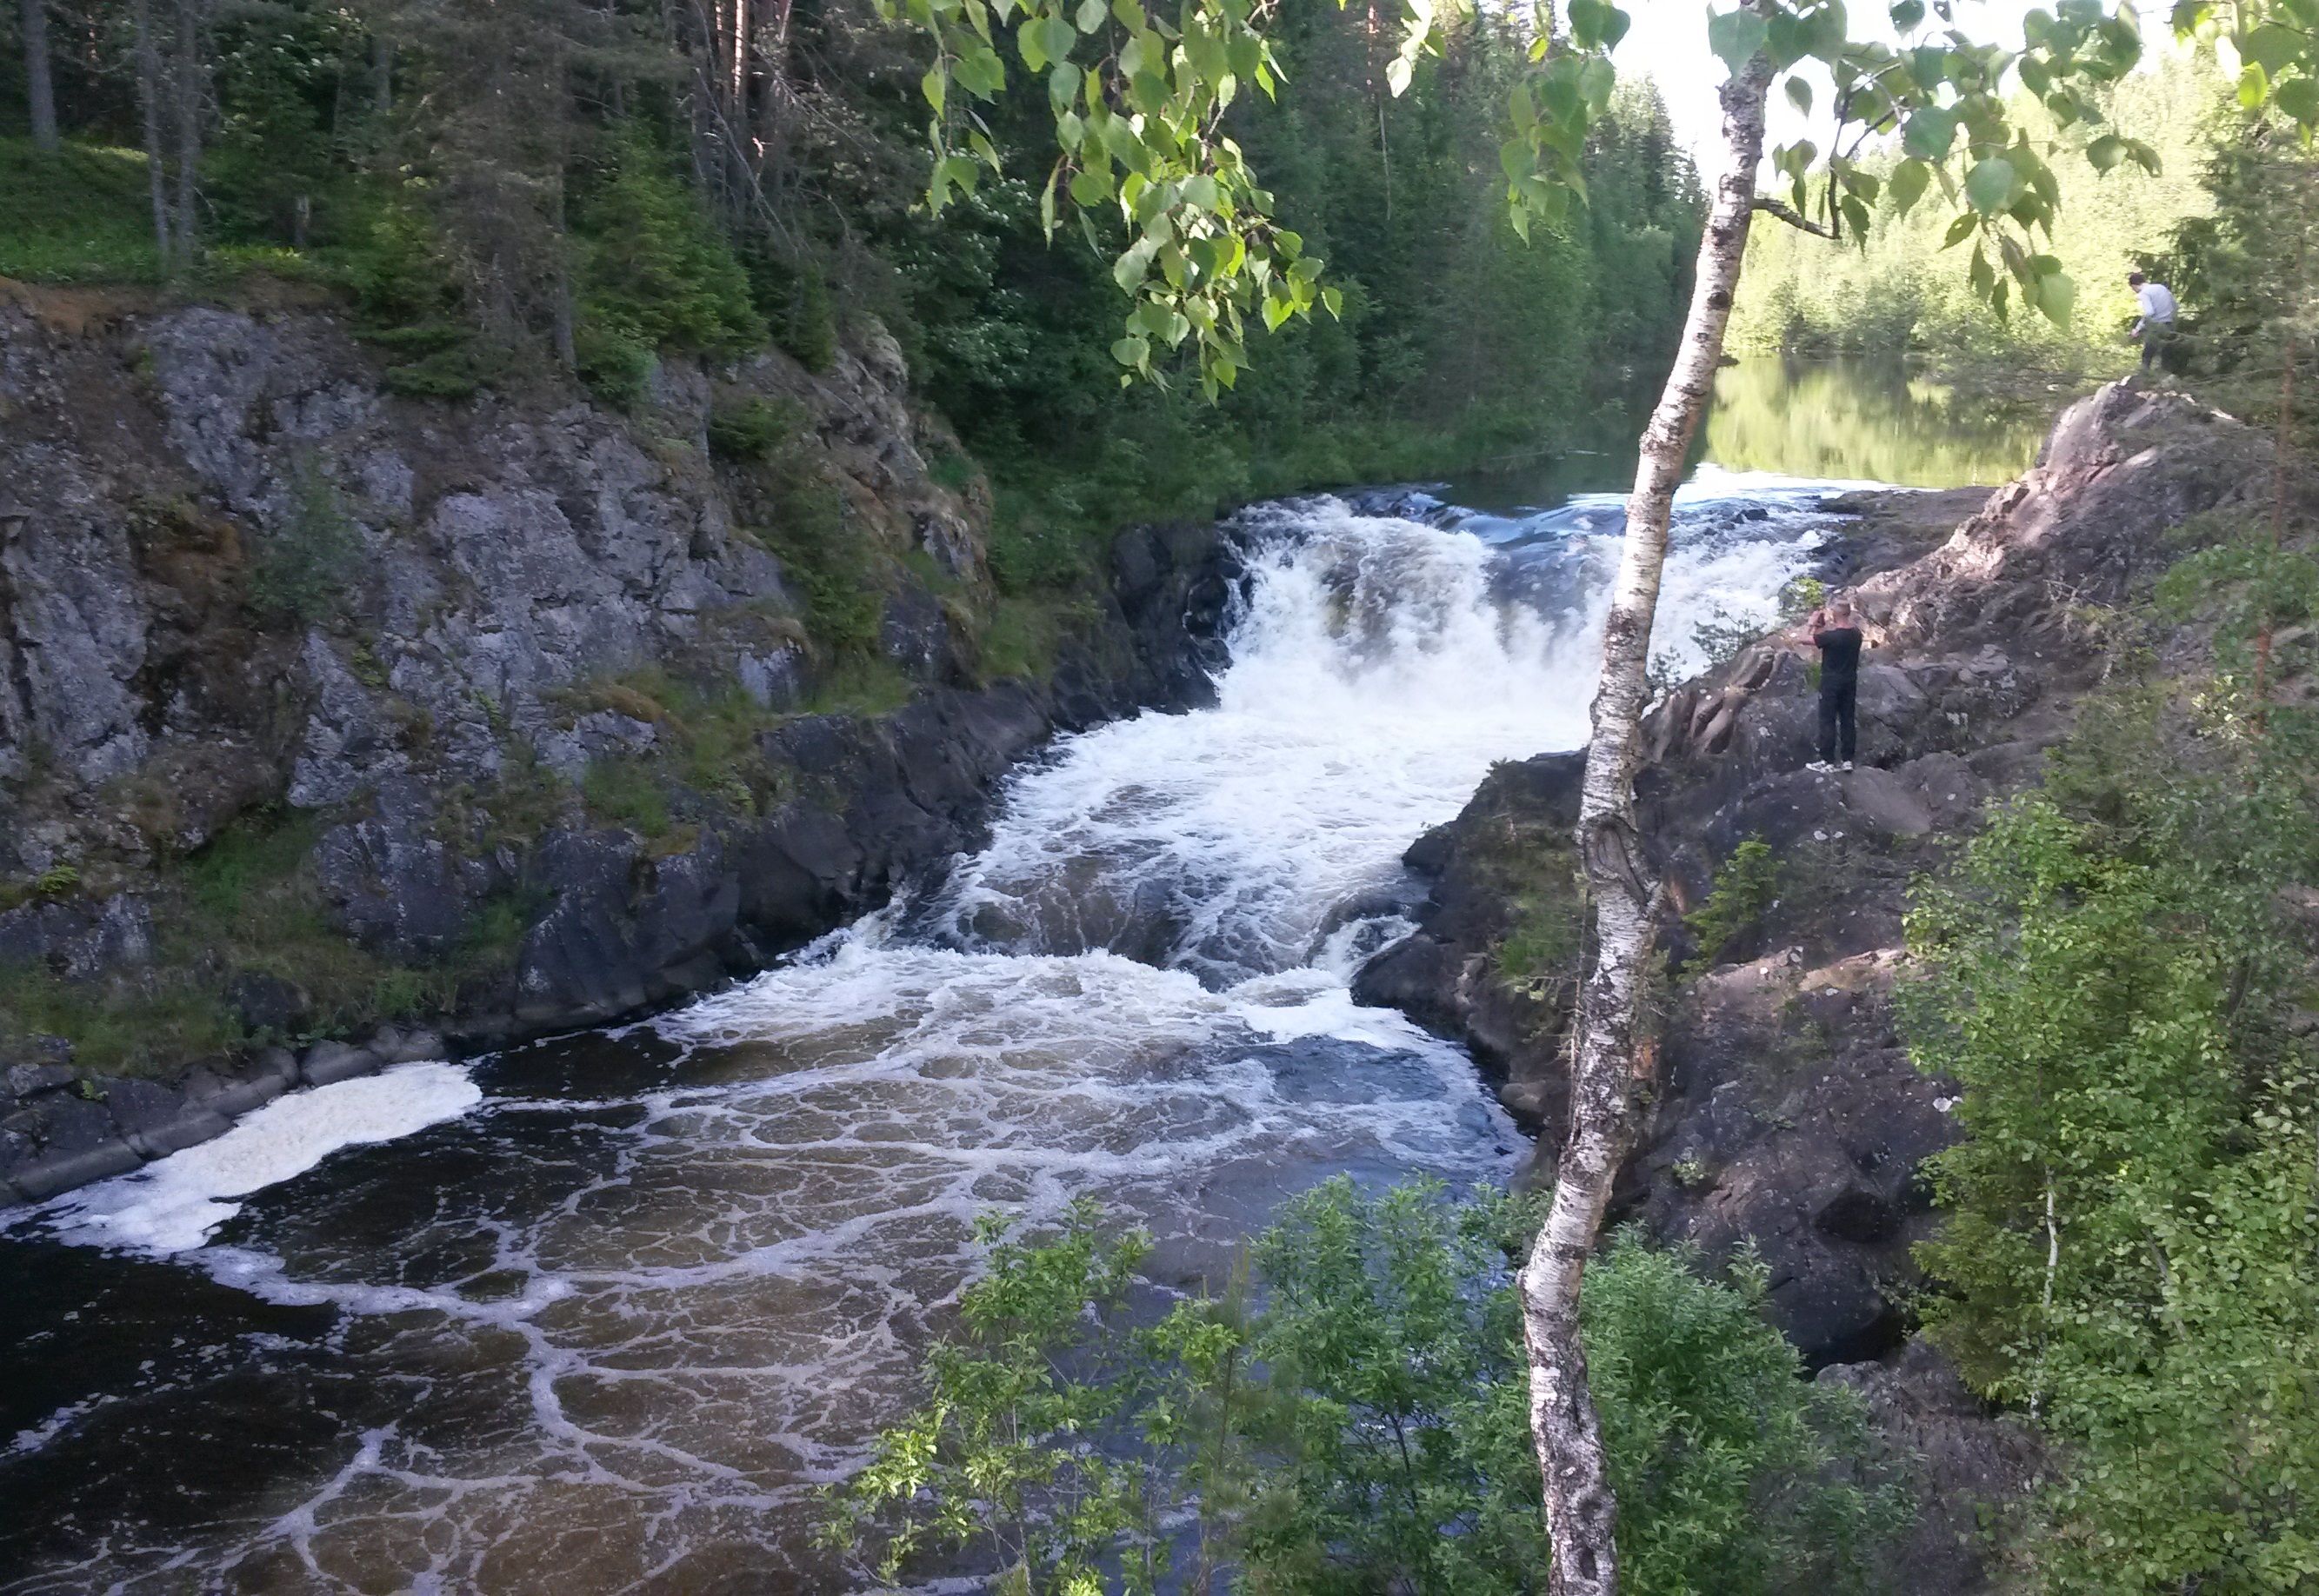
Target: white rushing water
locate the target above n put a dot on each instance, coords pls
(611, 1310)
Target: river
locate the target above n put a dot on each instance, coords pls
(597, 1314)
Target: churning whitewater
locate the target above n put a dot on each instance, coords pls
(596, 1316)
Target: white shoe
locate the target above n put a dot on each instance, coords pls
(1820, 767)
(1845, 767)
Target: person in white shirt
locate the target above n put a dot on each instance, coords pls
(2157, 320)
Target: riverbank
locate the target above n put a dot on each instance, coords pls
(343, 728)
(1786, 1116)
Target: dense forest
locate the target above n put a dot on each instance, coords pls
(506, 190)
(2113, 966)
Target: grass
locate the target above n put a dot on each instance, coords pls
(861, 684)
(1025, 631)
(247, 901)
(622, 790)
(80, 215)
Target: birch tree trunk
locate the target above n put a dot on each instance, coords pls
(39, 91)
(1606, 1071)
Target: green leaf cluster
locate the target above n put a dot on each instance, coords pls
(1746, 884)
(2133, 1247)
(1368, 1429)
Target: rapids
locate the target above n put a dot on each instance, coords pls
(597, 1314)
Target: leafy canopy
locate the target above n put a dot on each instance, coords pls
(1140, 101)
(1368, 1430)
(2132, 1245)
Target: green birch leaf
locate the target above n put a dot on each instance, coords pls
(1929, 132)
(1989, 184)
(2299, 98)
(1800, 94)
(1909, 179)
(1735, 36)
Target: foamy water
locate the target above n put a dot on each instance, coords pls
(610, 1309)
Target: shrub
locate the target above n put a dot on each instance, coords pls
(299, 572)
(1368, 1431)
(1747, 884)
(756, 430)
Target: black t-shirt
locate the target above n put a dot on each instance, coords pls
(1839, 656)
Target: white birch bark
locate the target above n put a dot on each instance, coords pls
(1580, 1511)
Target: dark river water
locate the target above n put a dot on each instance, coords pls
(599, 1314)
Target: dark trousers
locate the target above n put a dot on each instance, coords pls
(1836, 721)
(2153, 340)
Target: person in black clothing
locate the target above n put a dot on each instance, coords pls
(1837, 635)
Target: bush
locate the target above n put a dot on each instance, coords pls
(1369, 1429)
(300, 573)
(1747, 884)
(755, 431)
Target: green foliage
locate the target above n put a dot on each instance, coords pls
(77, 216)
(656, 275)
(2133, 1247)
(408, 302)
(796, 302)
(1746, 885)
(824, 557)
(757, 430)
(622, 788)
(1900, 288)
(114, 1030)
(996, 1458)
(1368, 1431)
(299, 572)
(2247, 280)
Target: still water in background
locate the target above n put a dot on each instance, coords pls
(1866, 418)
(1859, 418)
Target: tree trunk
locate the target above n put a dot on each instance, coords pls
(1607, 1067)
(148, 103)
(39, 91)
(189, 87)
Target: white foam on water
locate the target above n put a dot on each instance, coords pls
(657, 1322)
(175, 1203)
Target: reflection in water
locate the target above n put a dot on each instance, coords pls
(1862, 420)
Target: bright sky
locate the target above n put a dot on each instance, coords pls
(1668, 43)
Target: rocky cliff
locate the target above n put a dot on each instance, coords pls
(323, 708)
(1786, 1114)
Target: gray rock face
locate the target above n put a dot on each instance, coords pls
(79, 940)
(1961, 1457)
(247, 579)
(1788, 1115)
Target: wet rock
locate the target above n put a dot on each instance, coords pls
(328, 1062)
(24, 1080)
(259, 1081)
(397, 1046)
(157, 1121)
(395, 887)
(915, 633)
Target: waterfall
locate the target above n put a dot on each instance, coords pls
(599, 1314)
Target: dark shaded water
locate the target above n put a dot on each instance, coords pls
(599, 1315)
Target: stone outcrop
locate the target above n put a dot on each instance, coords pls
(1787, 1115)
(246, 591)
